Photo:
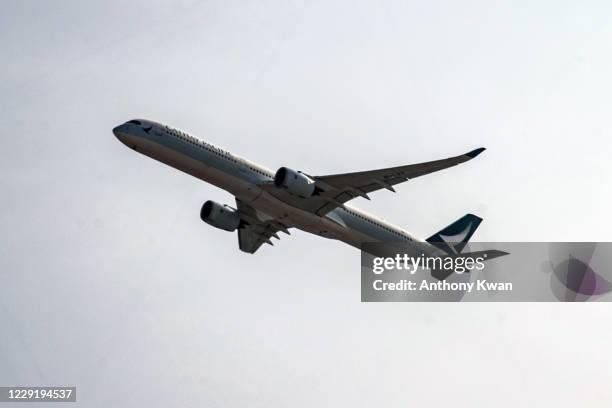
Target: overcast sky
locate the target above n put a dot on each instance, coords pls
(110, 282)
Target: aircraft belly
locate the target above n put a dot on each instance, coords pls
(294, 217)
(197, 168)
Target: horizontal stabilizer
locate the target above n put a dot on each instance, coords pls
(487, 255)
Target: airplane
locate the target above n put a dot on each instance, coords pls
(271, 202)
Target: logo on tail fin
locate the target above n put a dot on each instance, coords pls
(460, 238)
(455, 237)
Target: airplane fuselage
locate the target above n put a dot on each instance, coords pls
(243, 178)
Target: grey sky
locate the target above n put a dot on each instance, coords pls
(112, 283)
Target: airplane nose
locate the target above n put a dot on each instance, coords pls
(120, 131)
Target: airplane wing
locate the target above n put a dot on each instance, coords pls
(255, 230)
(334, 190)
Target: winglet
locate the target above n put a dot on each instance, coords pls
(475, 152)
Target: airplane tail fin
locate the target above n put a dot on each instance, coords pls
(453, 240)
(455, 237)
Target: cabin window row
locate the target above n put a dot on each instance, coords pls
(379, 225)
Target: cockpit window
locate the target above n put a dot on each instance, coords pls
(136, 122)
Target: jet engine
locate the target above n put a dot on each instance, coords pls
(295, 182)
(220, 216)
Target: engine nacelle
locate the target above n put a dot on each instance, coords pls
(295, 182)
(220, 216)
